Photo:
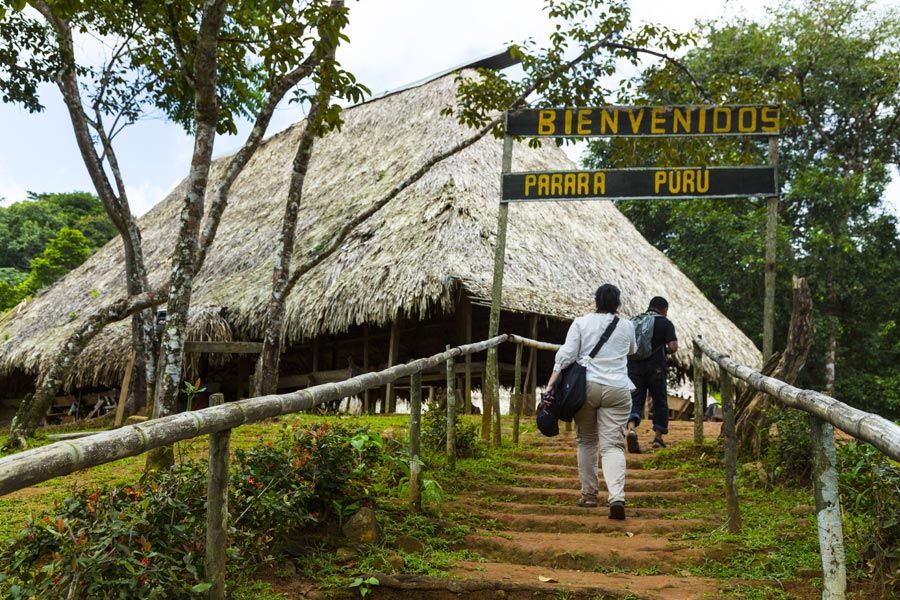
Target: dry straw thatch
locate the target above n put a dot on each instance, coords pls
(411, 258)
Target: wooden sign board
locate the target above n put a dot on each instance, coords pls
(621, 184)
(645, 121)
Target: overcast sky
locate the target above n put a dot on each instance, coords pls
(393, 43)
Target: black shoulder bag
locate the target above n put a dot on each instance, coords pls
(568, 392)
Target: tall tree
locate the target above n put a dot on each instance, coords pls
(205, 65)
(63, 253)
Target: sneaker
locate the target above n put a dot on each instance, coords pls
(617, 510)
(632, 442)
(587, 502)
(658, 443)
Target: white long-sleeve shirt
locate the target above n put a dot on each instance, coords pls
(610, 365)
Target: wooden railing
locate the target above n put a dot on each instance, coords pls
(31, 467)
(825, 413)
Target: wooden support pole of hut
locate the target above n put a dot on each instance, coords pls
(529, 384)
(532, 370)
(771, 238)
(367, 396)
(728, 433)
(217, 507)
(415, 429)
(699, 396)
(464, 336)
(491, 388)
(123, 393)
(451, 412)
(828, 510)
(515, 402)
(390, 394)
(486, 405)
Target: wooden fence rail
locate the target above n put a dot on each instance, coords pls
(824, 413)
(31, 467)
(866, 427)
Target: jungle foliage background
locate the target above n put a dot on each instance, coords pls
(44, 236)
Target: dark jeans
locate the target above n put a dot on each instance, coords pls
(649, 377)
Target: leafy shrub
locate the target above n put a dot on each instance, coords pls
(434, 432)
(870, 495)
(788, 455)
(148, 541)
(142, 542)
(304, 477)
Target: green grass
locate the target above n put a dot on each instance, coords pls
(16, 506)
(773, 544)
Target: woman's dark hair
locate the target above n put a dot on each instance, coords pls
(607, 298)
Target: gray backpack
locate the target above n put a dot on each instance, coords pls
(643, 334)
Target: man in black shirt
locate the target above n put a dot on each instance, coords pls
(649, 375)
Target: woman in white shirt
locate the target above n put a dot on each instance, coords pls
(604, 415)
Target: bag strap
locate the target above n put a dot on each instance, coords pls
(604, 337)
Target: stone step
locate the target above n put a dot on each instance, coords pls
(476, 506)
(588, 551)
(633, 483)
(502, 494)
(593, 520)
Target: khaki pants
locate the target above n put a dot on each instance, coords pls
(601, 423)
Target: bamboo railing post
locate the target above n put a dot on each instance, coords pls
(217, 507)
(415, 428)
(515, 403)
(728, 432)
(828, 510)
(771, 239)
(699, 384)
(451, 412)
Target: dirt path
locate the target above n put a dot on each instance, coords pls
(540, 545)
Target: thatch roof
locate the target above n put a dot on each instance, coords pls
(411, 258)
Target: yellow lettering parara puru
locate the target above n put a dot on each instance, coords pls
(693, 181)
(576, 183)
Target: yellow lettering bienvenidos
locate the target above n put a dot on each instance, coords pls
(657, 121)
(546, 122)
(635, 120)
(584, 122)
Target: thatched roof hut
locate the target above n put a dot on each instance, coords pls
(428, 252)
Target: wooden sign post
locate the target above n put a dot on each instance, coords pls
(640, 183)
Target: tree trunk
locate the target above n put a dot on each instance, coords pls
(184, 261)
(267, 367)
(117, 208)
(830, 358)
(753, 408)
